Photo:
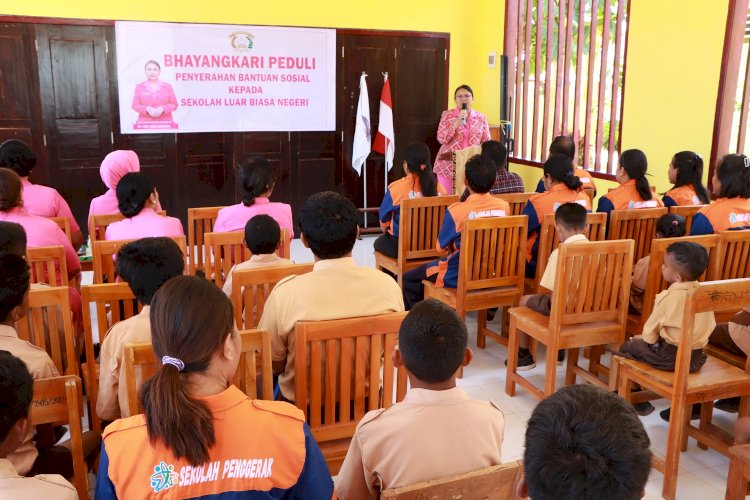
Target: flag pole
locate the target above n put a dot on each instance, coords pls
(364, 182)
(385, 165)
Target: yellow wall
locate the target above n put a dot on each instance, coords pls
(475, 29)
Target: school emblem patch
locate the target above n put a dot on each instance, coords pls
(164, 477)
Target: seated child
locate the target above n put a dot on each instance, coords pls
(585, 442)
(411, 441)
(16, 390)
(667, 226)
(263, 238)
(14, 300)
(684, 262)
(571, 226)
(145, 264)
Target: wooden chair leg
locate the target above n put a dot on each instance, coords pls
(707, 412)
(736, 482)
(595, 357)
(550, 370)
(674, 442)
(481, 325)
(614, 373)
(570, 376)
(510, 384)
(623, 384)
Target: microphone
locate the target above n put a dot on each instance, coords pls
(463, 120)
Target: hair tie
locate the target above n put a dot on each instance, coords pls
(421, 167)
(675, 223)
(746, 161)
(176, 362)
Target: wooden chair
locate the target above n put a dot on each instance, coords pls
(48, 315)
(251, 287)
(548, 240)
(739, 472)
(459, 158)
(104, 251)
(64, 224)
(491, 483)
(715, 380)
(732, 256)
(59, 400)
(516, 201)
(687, 212)
(591, 193)
(200, 221)
(420, 223)
(228, 249)
(48, 265)
(589, 308)
(141, 364)
(338, 366)
(490, 270)
(98, 224)
(637, 225)
(113, 302)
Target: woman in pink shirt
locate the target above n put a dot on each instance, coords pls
(37, 199)
(154, 100)
(40, 232)
(137, 199)
(257, 179)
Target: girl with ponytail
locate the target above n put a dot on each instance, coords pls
(200, 435)
(257, 178)
(686, 173)
(419, 181)
(730, 185)
(634, 191)
(561, 186)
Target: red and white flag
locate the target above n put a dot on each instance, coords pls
(384, 140)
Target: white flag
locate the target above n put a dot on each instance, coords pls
(384, 140)
(362, 133)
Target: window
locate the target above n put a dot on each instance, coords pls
(565, 77)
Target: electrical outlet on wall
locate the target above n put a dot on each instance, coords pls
(491, 59)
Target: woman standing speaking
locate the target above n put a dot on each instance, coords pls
(459, 128)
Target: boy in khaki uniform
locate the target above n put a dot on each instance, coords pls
(437, 430)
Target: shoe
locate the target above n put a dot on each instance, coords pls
(525, 360)
(729, 405)
(695, 413)
(491, 313)
(560, 357)
(644, 409)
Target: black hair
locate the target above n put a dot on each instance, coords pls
(691, 257)
(465, 87)
(262, 234)
(563, 145)
(133, 191)
(585, 442)
(17, 156)
(733, 172)
(560, 168)
(329, 223)
(417, 158)
(10, 190)
(480, 174)
(12, 239)
(689, 167)
(146, 264)
(16, 391)
(14, 283)
(152, 62)
(432, 340)
(671, 226)
(571, 215)
(256, 177)
(496, 152)
(635, 164)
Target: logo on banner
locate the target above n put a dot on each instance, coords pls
(242, 40)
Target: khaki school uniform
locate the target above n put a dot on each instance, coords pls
(430, 434)
(666, 319)
(255, 262)
(40, 487)
(548, 278)
(335, 289)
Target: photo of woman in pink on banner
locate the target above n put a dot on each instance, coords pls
(154, 101)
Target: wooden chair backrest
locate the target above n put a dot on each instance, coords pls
(98, 224)
(64, 224)
(516, 201)
(48, 315)
(59, 400)
(591, 193)
(113, 302)
(420, 223)
(548, 240)
(637, 225)
(687, 212)
(655, 281)
(592, 283)
(459, 158)
(732, 256)
(141, 364)
(228, 249)
(493, 254)
(104, 251)
(251, 287)
(48, 265)
(491, 483)
(338, 367)
(200, 221)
